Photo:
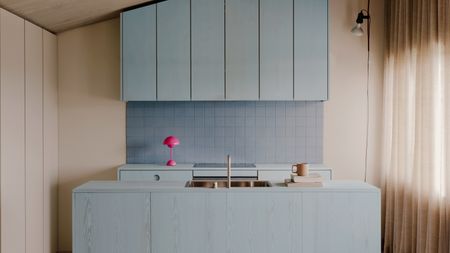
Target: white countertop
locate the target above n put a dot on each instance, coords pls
(179, 186)
(190, 166)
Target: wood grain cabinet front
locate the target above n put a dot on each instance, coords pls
(242, 50)
(310, 50)
(173, 50)
(207, 57)
(111, 222)
(341, 222)
(138, 29)
(194, 223)
(276, 50)
(220, 221)
(182, 50)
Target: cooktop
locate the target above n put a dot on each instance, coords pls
(224, 165)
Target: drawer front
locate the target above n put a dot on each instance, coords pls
(281, 175)
(155, 176)
(223, 173)
(326, 174)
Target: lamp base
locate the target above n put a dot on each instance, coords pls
(171, 163)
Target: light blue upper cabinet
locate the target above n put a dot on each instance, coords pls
(226, 50)
(276, 50)
(310, 49)
(242, 50)
(173, 50)
(207, 55)
(139, 54)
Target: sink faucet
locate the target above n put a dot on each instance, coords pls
(229, 171)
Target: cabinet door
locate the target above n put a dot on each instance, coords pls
(173, 57)
(310, 49)
(111, 222)
(208, 59)
(276, 50)
(264, 222)
(139, 54)
(189, 222)
(242, 61)
(341, 222)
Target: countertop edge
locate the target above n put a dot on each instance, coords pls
(147, 187)
(190, 166)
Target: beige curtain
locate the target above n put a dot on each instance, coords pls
(416, 154)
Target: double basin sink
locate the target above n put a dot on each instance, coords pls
(224, 184)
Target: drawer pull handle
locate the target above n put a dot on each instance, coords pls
(157, 177)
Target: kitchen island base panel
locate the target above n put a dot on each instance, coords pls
(229, 220)
(111, 222)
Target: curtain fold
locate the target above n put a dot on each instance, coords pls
(416, 145)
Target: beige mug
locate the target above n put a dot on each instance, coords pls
(302, 169)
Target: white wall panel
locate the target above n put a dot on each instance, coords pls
(50, 119)
(34, 169)
(28, 136)
(12, 133)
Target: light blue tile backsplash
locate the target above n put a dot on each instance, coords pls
(251, 132)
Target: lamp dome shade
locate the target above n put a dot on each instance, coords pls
(357, 30)
(171, 141)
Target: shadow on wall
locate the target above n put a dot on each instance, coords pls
(96, 54)
(97, 74)
(91, 115)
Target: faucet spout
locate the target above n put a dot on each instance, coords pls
(229, 171)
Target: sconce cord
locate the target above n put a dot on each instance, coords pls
(367, 91)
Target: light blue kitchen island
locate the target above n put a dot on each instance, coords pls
(167, 217)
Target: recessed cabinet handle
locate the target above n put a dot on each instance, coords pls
(157, 177)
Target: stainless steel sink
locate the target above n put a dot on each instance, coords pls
(228, 183)
(223, 183)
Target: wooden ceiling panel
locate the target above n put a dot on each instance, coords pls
(62, 15)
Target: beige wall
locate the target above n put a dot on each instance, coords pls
(92, 119)
(345, 112)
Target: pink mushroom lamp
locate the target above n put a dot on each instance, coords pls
(171, 142)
